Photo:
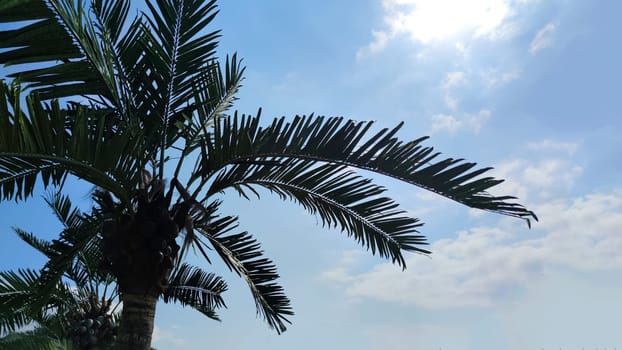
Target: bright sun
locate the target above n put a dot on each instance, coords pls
(437, 20)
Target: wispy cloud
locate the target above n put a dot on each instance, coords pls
(549, 145)
(483, 265)
(163, 338)
(454, 79)
(543, 38)
(450, 124)
(445, 122)
(378, 43)
(537, 180)
(493, 78)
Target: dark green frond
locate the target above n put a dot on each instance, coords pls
(196, 288)
(37, 339)
(214, 93)
(40, 41)
(62, 207)
(73, 246)
(23, 303)
(335, 140)
(42, 246)
(78, 59)
(51, 143)
(243, 255)
(15, 296)
(110, 17)
(177, 49)
(338, 196)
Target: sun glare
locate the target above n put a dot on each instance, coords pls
(437, 20)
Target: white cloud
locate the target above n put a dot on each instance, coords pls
(444, 122)
(542, 180)
(341, 272)
(543, 39)
(549, 145)
(543, 176)
(494, 78)
(484, 265)
(454, 79)
(451, 81)
(378, 44)
(450, 124)
(477, 121)
(166, 339)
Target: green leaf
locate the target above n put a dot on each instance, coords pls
(243, 255)
(338, 196)
(349, 143)
(196, 288)
(52, 143)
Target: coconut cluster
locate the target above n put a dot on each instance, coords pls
(140, 249)
(90, 326)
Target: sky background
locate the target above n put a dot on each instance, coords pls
(531, 87)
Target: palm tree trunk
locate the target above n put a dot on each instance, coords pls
(137, 320)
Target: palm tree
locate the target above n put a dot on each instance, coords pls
(76, 312)
(125, 105)
(65, 315)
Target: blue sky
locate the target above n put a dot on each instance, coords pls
(531, 87)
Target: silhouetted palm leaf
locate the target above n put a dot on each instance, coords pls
(15, 287)
(338, 196)
(52, 143)
(335, 140)
(64, 37)
(196, 288)
(243, 255)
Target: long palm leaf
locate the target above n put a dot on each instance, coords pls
(64, 38)
(335, 140)
(338, 196)
(196, 288)
(15, 310)
(242, 254)
(52, 143)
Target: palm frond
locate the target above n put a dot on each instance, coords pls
(62, 207)
(243, 255)
(85, 267)
(177, 49)
(42, 39)
(42, 246)
(79, 60)
(214, 93)
(37, 339)
(338, 196)
(22, 302)
(196, 288)
(15, 296)
(334, 140)
(173, 54)
(110, 17)
(52, 143)
(73, 246)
